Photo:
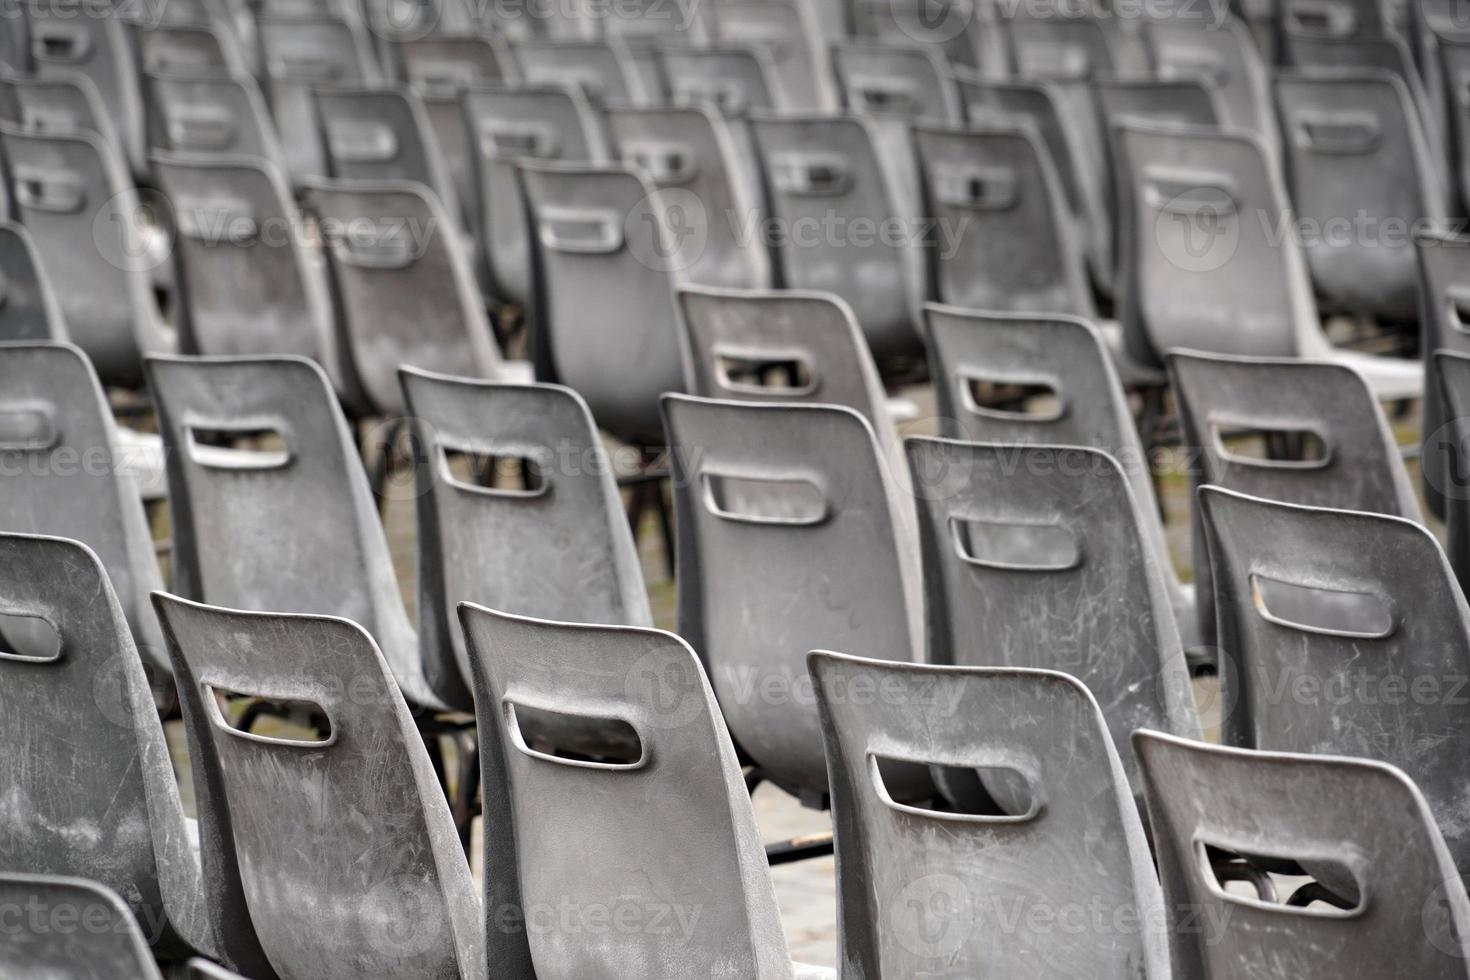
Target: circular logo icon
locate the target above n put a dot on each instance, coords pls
(669, 686)
(401, 464)
(133, 230)
(405, 20)
(932, 21)
(403, 917)
(668, 230)
(1446, 462)
(1438, 919)
(111, 692)
(1197, 230)
(933, 916)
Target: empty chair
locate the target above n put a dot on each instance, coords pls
(703, 854)
(509, 124)
(735, 78)
(74, 196)
(1207, 264)
(70, 927)
(271, 507)
(69, 473)
(340, 849)
(1410, 916)
(606, 244)
(406, 287)
(1341, 632)
(790, 33)
(825, 181)
(1060, 364)
(80, 702)
(902, 80)
(792, 537)
(517, 509)
(1036, 557)
(219, 116)
(690, 155)
(1225, 56)
(1360, 178)
(1444, 269)
(918, 887)
(29, 309)
(300, 54)
(595, 67)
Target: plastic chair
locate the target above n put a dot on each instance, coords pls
(29, 309)
(1036, 557)
(702, 855)
(271, 506)
(1453, 370)
(70, 473)
(1355, 151)
(217, 116)
(74, 196)
(340, 849)
(406, 287)
(823, 168)
(689, 153)
(792, 537)
(911, 81)
(1207, 264)
(1444, 281)
(595, 67)
(71, 928)
(67, 105)
(1067, 360)
(1341, 632)
(790, 33)
(607, 245)
(76, 698)
(509, 124)
(1412, 918)
(918, 886)
(556, 546)
(1224, 56)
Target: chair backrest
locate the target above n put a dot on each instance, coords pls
(1006, 240)
(1061, 48)
(517, 509)
(82, 703)
(67, 475)
(1208, 258)
(1341, 632)
(506, 124)
(1345, 453)
(76, 199)
(788, 32)
(1444, 281)
(890, 79)
(223, 116)
(405, 285)
(918, 886)
(1036, 557)
(765, 495)
(735, 78)
(1452, 368)
(607, 246)
(301, 53)
(1360, 179)
(1454, 55)
(824, 169)
(700, 863)
(69, 927)
(1224, 55)
(66, 104)
(197, 49)
(965, 31)
(270, 501)
(689, 154)
(341, 846)
(247, 281)
(595, 67)
(383, 134)
(1413, 918)
(29, 309)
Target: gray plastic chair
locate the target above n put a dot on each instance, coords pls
(703, 855)
(689, 150)
(1444, 282)
(824, 168)
(1413, 919)
(29, 309)
(225, 116)
(1342, 632)
(1207, 265)
(735, 78)
(1453, 370)
(406, 287)
(285, 521)
(1184, 50)
(71, 929)
(77, 698)
(74, 196)
(67, 104)
(557, 546)
(607, 247)
(341, 850)
(301, 53)
(596, 67)
(69, 473)
(1354, 150)
(791, 35)
(1037, 557)
(1067, 356)
(910, 81)
(792, 536)
(1453, 51)
(920, 890)
(509, 124)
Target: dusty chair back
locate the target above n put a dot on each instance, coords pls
(1360, 825)
(103, 941)
(696, 867)
(1342, 632)
(339, 848)
(923, 890)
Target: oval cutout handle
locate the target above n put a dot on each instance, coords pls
(201, 128)
(619, 731)
(359, 142)
(218, 446)
(978, 188)
(810, 175)
(779, 501)
(1342, 134)
(1014, 546)
(28, 428)
(56, 192)
(1322, 611)
(581, 232)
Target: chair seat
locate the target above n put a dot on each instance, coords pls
(1391, 378)
(143, 457)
